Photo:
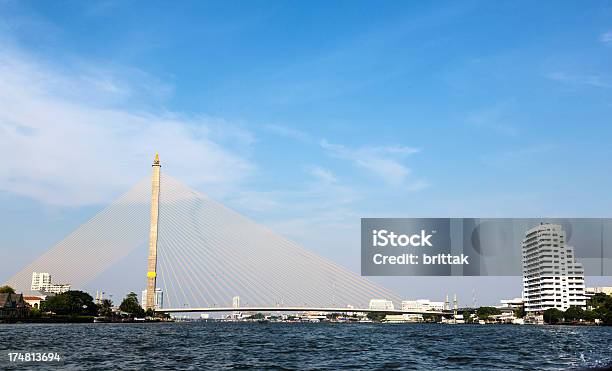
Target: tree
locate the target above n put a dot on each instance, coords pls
(588, 316)
(6, 289)
(520, 312)
(467, 316)
(607, 318)
(376, 316)
(552, 316)
(257, 316)
(573, 313)
(602, 308)
(106, 308)
(34, 312)
(70, 302)
(600, 300)
(432, 317)
(486, 312)
(130, 305)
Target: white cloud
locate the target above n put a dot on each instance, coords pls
(384, 162)
(72, 138)
(519, 155)
(289, 132)
(323, 175)
(597, 81)
(494, 118)
(606, 38)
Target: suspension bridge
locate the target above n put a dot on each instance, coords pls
(202, 254)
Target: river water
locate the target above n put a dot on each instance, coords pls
(200, 345)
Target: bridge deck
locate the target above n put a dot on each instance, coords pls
(296, 309)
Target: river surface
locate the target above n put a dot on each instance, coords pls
(200, 345)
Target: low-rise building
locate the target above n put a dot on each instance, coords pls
(381, 304)
(13, 306)
(511, 304)
(34, 301)
(420, 305)
(397, 318)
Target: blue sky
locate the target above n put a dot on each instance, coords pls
(305, 116)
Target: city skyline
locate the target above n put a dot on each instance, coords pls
(290, 138)
(195, 227)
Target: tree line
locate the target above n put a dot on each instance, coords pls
(80, 303)
(601, 309)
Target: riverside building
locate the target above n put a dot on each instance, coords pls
(158, 299)
(421, 305)
(381, 304)
(41, 282)
(551, 276)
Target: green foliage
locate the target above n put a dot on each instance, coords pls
(573, 314)
(588, 316)
(6, 289)
(520, 312)
(467, 316)
(600, 300)
(432, 317)
(150, 312)
(257, 316)
(607, 318)
(552, 316)
(71, 303)
(602, 308)
(376, 316)
(106, 308)
(34, 312)
(130, 305)
(486, 312)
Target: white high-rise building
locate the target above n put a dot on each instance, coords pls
(158, 298)
(41, 282)
(551, 276)
(236, 305)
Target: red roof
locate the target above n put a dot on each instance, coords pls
(32, 298)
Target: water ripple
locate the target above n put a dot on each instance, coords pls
(198, 345)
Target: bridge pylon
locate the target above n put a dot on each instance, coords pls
(152, 260)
